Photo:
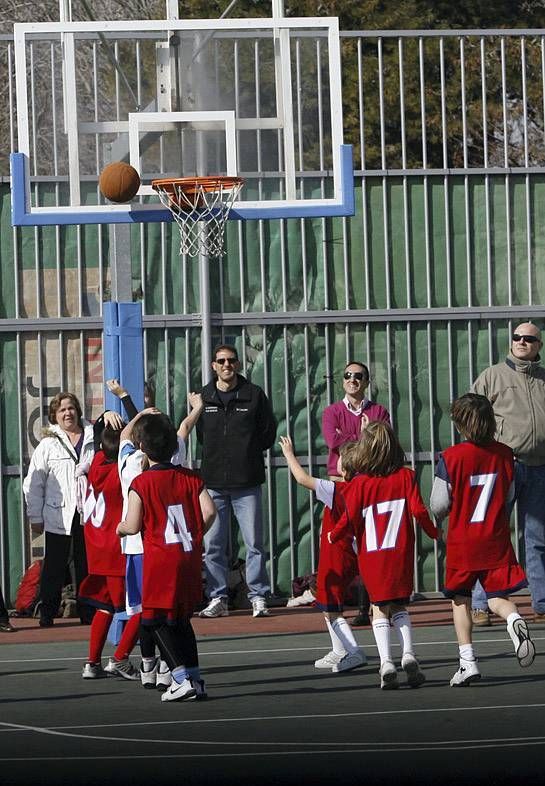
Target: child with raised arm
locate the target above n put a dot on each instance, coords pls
(172, 509)
(473, 485)
(337, 564)
(104, 587)
(381, 503)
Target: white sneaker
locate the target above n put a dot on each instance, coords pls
(388, 676)
(301, 600)
(411, 667)
(466, 674)
(350, 661)
(92, 671)
(164, 677)
(179, 691)
(149, 678)
(329, 660)
(259, 608)
(216, 608)
(122, 668)
(524, 646)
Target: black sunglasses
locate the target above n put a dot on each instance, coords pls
(528, 339)
(222, 361)
(353, 375)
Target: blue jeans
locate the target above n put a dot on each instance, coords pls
(530, 495)
(478, 597)
(246, 505)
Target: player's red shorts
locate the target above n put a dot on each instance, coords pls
(337, 567)
(154, 616)
(496, 582)
(103, 592)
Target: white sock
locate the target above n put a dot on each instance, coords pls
(345, 634)
(466, 652)
(402, 625)
(510, 620)
(336, 643)
(148, 664)
(381, 631)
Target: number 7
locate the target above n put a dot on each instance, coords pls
(487, 482)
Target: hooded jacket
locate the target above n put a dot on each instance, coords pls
(50, 484)
(516, 390)
(233, 438)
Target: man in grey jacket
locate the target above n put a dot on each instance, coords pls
(516, 390)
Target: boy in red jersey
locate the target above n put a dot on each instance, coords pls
(473, 486)
(381, 503)
(104, 587)
(337, 564)
(172, 509)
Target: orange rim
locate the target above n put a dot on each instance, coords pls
(189, 185)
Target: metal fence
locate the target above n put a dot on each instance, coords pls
(424, 284)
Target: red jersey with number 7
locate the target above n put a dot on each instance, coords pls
(172, 534)
(479, 479)
(380, 512)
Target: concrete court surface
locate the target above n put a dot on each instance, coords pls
(271, 718)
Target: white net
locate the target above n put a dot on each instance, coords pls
(200, 207)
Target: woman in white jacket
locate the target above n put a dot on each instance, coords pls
(50, 494)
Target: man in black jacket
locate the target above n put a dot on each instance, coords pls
(235, 427)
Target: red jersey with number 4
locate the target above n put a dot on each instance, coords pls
(172, 533)
(380, 511)
(479, 478)
(101, 515)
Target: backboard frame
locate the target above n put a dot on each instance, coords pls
(25, 214)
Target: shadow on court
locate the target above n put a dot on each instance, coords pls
(272, 718)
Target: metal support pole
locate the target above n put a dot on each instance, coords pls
(206, 323)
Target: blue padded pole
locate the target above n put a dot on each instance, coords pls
(110, 353)
(131, 351)
(123, 352)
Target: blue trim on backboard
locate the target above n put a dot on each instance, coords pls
(20, 216)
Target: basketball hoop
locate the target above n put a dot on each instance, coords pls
(200, 206)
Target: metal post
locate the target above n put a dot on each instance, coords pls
(206, 324)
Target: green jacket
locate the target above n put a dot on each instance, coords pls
(516, 390)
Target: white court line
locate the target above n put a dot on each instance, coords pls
(12, 727)
(339, 749)
(223, 653)
(421, 745)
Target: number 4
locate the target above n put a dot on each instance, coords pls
(487, 482)
(176, 530)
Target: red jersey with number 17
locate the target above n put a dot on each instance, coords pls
(479, 478)
(101, 515)
(380, 511)
(172, 533)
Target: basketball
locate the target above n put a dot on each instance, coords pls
(119, 182)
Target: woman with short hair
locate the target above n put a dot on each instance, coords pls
(50, 494)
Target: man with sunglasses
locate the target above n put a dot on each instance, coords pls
(344, 420)
(516, 390)
(235, 427)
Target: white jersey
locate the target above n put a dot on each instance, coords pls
(325, 491)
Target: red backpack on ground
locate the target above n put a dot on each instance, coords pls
(29, 590)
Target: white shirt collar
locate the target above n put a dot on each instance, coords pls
(350, 408)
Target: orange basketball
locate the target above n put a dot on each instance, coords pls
(119, 182)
